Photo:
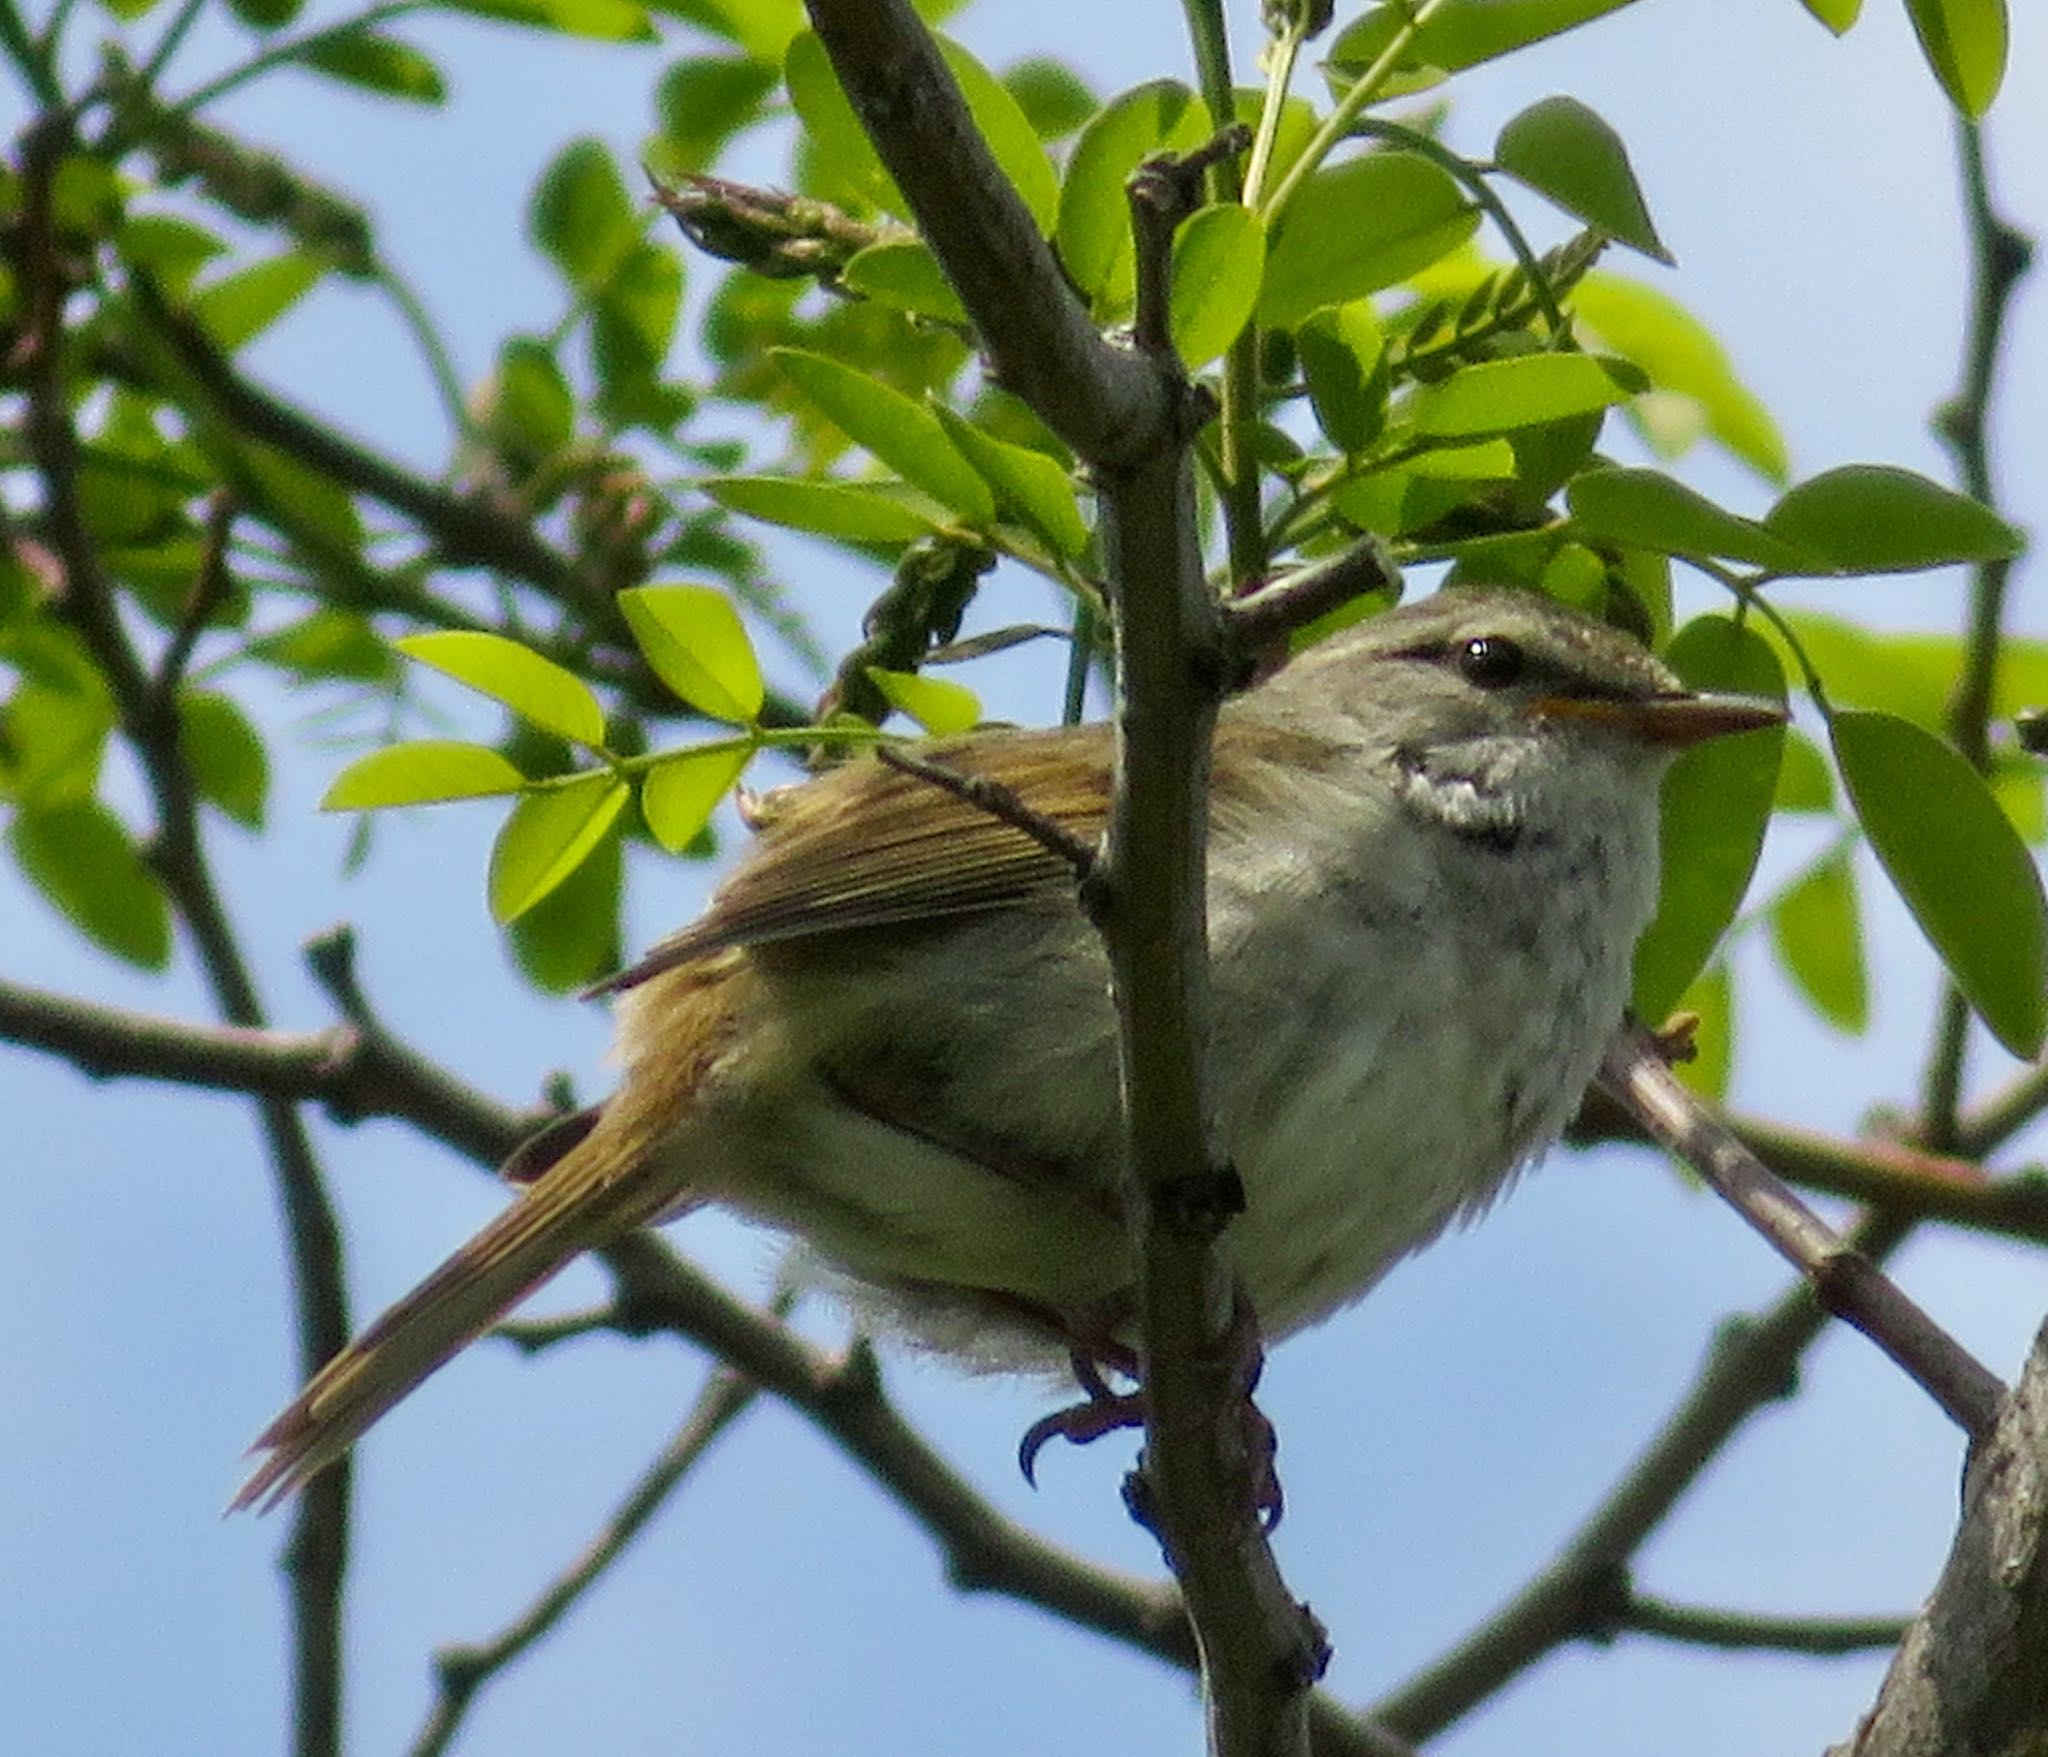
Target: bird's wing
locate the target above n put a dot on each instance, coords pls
(872, 846)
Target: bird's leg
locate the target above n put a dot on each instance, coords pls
(1102, 1410)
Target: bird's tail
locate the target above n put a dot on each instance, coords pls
(589, 1198)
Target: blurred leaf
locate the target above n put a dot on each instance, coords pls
(1872, 518)
(225, 755)
(1496, 396)
(329, 644)
(826, 509)
(1817, 931)
(1218, 256)
(1343, 355)
(904, 435)
(265, 15)
(1359, 226)
(1028, 484)
(53, 732)
(694, 639)
(377, 63)
(1716, 804)
(902, 274)
(549, 834)
(308, 505)
(604, 21)
(1094, 230)
(1805, 782)
(581, 216)
(679, 794)
(1646, 509)
(1461, 33)
(703, 101)
(571, 936)
(1711, 1001)
(241, 306)
(1958, 863)
(1965, 43)
(941, 706)
(632, 324)
(1053, 97)
(762, 28)
(80, 857)
(532, 411)
(424, 772)
(171, 248)
(1681, 356)
(1565, 151)
(535, 688)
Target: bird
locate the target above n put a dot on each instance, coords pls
(1432, 847)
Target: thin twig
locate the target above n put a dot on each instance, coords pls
(1751, 1631)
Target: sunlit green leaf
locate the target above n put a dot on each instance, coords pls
(902, 434)
(1711, 1002)
(536, 688)
(1872, 518)
(224, 755)
(1565, 151)
(1965, 43)
(697, 645)
(1495, 396)
(1958, 863)
(1716, 803)
(680, 793)
(1646, 509)
(762, 28)
(1011, 139)
(550, 833)
(80, 856)
(826, 509)
(425, 772)
(1817, 931)
(1218, 258)
(241, 306)
(1028, 484)
(1094, 214)
(604, 21)
(902, 274)
(1344, 360)
(572, 934)
(1052, 96)
(1359, 226)
(938, 704)
(1461, 33)
(53, 732)
(1837, 15)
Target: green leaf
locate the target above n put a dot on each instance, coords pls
(581, 216)
(826, 509)
(1965, 43)
(571, 935)
(1218, 258)
(1094, 231)
(1837, 15)
(1646, 509)
(904, 435)
(549, 834)
(939, 705)
(679, 794)
(266, 15)
(703, 101)
(604, 21)
(239, 307)
(902, 274)
(224, 755)
(1343, 354)
(1716, 804)
(632, 324)
(1497, 396)
(1711, 1001)
(377, 63)
(1873, 518)
(530, 410)
(172, 249)
(53, 733)
(1817, 932)
(762, 28)
(1052, 96)
(1564, 151)
(80, 857)
(1682, 357)
(841, 156)
(1805, 783)
(1461, 33)
(1959, 864)
(1028, 484)
(536, 689)
(1011, 139)
(328, 645)
(426, 772)
(1357, 227)
(694, 639)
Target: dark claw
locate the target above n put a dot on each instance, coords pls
(1105, 1412)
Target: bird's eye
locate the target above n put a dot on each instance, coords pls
(1491, 661)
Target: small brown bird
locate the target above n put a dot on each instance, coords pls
(1433, 845)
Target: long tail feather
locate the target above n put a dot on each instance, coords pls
(587, 1199)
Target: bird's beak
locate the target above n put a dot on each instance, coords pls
(1676, 722)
